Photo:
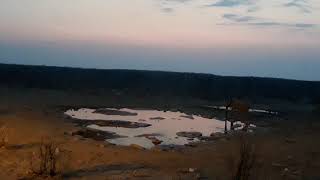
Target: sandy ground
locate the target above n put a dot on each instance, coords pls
(291, 151)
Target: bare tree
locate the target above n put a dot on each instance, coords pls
(237, 111)
(228, 105)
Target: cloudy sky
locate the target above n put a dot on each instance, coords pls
(268, 38)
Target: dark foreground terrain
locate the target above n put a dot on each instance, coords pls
(33, 99)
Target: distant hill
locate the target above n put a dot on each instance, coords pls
(156, 83)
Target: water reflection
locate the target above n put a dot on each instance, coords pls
(163, 130)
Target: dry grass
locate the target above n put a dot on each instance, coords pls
(3, 136)
(241, 161)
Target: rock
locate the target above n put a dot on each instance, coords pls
(141, 173)
(152, 137)
(187, 116)
(101, 145)
(278, 165)
(187, 170)
(57, 151)
(170, 147)
(189, 134)
(156, 141)
(237, 126)
(217, 134)
(191, 145)
(183, 170)
(111, 123)
(288, 140)
(207, 138)
(192, 170)
(285, 171)
(157, 118)
(198, 176)
(149, 135)
(96, 134)
(114, 112)
(136, 146)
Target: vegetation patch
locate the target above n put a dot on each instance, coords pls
(47, 160)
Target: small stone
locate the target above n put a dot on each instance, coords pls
(183, 170)
(187, 116)
(157, 118)
(192, 134)
(285, 171)
(156, 141)
(57, 151)
(191, 145)
(288, 140)
(101, 145)
(142, 173)
(237, 126)
(198, 176)
(277, 165)
(216, 136)
(136, 146)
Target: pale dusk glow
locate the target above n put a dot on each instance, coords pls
(212, 25)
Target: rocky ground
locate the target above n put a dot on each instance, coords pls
(288, 149)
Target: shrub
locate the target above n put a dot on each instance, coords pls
(44, 163)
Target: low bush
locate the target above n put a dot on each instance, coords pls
(45, 161)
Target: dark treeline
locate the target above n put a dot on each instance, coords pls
(156, 83)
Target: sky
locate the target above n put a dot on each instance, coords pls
(265, 38)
